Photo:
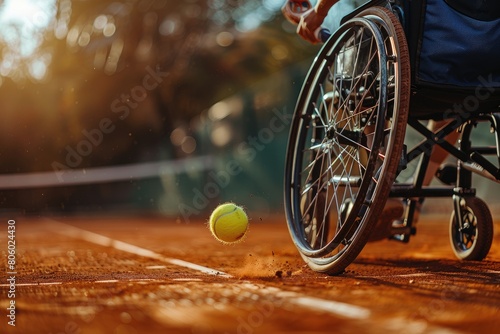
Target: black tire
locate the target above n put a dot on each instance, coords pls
(473, 241)
(346, 140)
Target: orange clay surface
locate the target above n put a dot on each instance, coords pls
(142, 274)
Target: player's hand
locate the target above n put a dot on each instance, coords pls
(294, 9)
(309, 26)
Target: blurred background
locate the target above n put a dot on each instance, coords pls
(158, 106)
(145, 105)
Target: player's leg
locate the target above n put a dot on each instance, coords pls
(438, 155)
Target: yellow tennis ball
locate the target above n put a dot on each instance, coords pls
(228, 223)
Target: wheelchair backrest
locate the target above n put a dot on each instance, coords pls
(454, 56)
(454, 43)
(454, 50)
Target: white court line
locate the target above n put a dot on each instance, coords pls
(33, 284)
(107, 281)
(343, 309)
(333, 307)
(132, 280)
(400, 275)
(77, 233)
(19, 284)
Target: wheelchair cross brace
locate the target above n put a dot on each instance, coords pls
(469, 159)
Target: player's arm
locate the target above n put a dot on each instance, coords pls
(312, 20)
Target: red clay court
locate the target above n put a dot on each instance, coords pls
(146, 274)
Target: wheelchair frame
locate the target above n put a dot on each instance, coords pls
(313, 189)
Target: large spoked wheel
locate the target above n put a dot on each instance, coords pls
(346, 140)
(473, 238)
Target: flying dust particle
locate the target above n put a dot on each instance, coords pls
(263, 267)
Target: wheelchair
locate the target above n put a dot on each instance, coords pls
(346, 145)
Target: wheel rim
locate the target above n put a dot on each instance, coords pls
(333, 162)
(464, 240)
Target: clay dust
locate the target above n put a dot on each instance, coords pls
(264, 267)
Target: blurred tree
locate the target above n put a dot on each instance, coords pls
(143, 67)
(94, 57)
